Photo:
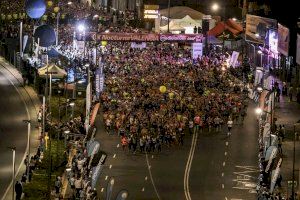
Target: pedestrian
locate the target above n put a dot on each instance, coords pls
(229, 126)
(57, 185)
(18, 190)
(78, 185)
(280, 144)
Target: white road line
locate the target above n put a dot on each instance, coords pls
(223, 186)
(227, 143)
(225, 153)
(146, 178)
(222, 174)
(143, 189)
(188, 167)
(224, 164)
(102, 189)
(151, 177)
(152, 156)
(106, 177)
(118, 145)
(110, 166)
(114, 156)
(28, 116)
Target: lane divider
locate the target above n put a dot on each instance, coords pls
(188, 167)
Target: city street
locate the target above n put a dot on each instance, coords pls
(222, 168)
(15, 106)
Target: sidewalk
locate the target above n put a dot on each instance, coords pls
(32, 101)
(287, 114)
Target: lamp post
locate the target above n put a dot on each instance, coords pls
(28, 145)
(169, 5)
(13, 171)
(215, 7)
(72, 106)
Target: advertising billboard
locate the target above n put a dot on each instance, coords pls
(298, 50)
(272, 42)
(283, 39)
(257, 28)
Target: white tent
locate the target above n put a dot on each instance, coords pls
(181, 24)
(52, 69)
(179, 12)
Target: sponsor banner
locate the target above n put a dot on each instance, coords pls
(181, 37)
(96, 171)
(275, 174)
(101, 83)
(93, 148)
(234, 58)
(197, 50)
(283, 40)
(270, 155)
(298, 49)
(143, 37)
(137, 37)
(257, 28)
(97, 82)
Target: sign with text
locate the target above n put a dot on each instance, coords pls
(197, 50)
(181, 37)
(138, 37)
(257, 28)
(283, 39)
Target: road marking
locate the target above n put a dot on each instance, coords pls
(152, 156)
(146, 178)
(143, 189)
(110, 166)
(226, 198)
(227, 143)
(224, 164)
(114, 156)
(102, 189)
(223, 186)
(188, 167)
(28, 115)
(151, 177)
(222, 174)
(106, 177)
(225, 153)
(118, 145)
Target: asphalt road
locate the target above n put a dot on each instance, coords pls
(13, 132)
(219, 167)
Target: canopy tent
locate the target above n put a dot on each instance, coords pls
(180, 24)
(52, 69)
(179, 12)
(229, 25)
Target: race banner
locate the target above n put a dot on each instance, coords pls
(275, 174)
(134, 37)
(283, 39)
(143, 37)
(257, 28)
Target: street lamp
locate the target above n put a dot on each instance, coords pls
(72, 106)
(28, 145)
(82, 29)
(215, 7)
(261, 57)
(13, 171)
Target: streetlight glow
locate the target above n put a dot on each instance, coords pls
(256, 35)
(215, 7)
(70, 2)
(234, 19)
(259, 51)
(258, 111)
(81, 27)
